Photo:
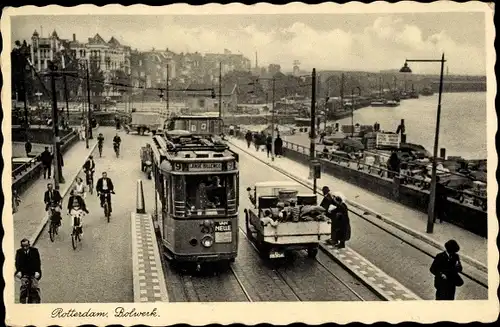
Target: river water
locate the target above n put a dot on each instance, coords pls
(462, 128)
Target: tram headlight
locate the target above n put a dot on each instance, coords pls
(207, 241)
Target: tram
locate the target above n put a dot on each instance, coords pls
(197, 184)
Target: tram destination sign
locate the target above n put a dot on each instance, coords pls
(223, 232)
(205, 166)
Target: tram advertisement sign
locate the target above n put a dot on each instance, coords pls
(205, 166)
(223, 232)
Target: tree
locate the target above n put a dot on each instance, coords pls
(119, 77)
(96, 78)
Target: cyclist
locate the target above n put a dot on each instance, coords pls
(29, 270)
(79, 188)
(105, 187)
(89, 169)
(116, 142)
(51, 197)
(76, 209)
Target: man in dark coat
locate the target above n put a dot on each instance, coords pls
(269, 145)
(441, 205)
(29, 270)
(46, 158)
(326, 204)
(51, 196)
(104, 187)
(446, 268)
(28, 147)
(278, 146)
(248, 137)
(393, 164)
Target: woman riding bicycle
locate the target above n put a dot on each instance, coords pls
(77, 209)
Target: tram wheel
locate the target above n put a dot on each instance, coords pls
(312, 252)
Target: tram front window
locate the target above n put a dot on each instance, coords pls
(208, 194)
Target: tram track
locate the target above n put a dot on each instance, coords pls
(479, 279)
(290, 276)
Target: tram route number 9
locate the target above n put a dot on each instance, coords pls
(223, 232)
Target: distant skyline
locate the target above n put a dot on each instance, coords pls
(367, 42)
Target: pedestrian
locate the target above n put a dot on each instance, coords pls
(248, 137)
(446, 268)
(441, 204)
(278, 146)
(60, 158)
(393, 164)
(28, 147)
(29, 271)
(322, 136)
(328, 203)
(46, 158)
(269, 144)
(341, 218)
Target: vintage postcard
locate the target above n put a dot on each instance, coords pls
(249, 164)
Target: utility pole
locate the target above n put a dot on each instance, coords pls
(65, 89)
(220, 89)
(312, 136)
(342, 91)
(58, 178)
(88, 127)
(272, 121)
(168, 82)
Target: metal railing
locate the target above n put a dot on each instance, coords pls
(420, 183)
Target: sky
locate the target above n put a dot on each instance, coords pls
(366, 42)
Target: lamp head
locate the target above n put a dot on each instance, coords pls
(405, 68)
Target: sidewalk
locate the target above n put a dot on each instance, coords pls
(31, 214)
(471, 245)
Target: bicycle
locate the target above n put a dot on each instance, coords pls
(107, 198)
(100, 149)
(116, 147)
(89, 176)
(32, 295)
(76, 233)
(54, 224)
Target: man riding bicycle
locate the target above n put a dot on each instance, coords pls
(29, 270)
(100, 142)
(116, 143)
(53, 201)
(104, 188)
(89, 169)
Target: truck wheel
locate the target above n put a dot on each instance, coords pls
(312, 252)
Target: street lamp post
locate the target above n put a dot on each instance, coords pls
(352, 108)
(432, 196)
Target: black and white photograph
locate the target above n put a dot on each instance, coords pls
(249, 163)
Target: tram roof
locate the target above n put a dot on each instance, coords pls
(186, 147)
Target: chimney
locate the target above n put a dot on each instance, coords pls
(74, 37)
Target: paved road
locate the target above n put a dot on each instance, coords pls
(399, 260)
(101, 269)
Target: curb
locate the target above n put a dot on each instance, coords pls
(68, 185)
(478, 265)
(140, 270)
(371, 285)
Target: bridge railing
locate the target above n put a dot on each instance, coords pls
(421, 183)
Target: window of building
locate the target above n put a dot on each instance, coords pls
(201, 103)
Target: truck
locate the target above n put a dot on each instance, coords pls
(145, 121)
(272, 236)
